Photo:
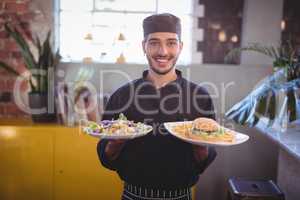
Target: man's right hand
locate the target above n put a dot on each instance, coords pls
(113, 148)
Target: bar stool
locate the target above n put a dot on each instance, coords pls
(253, 189)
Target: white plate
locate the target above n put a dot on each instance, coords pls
(239, 137)
(143, 132)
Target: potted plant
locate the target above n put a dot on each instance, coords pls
(263, 101)
(40, 60)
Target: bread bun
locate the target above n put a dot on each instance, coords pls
(205, 124)
(205, 128)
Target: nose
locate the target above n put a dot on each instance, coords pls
(162, 51)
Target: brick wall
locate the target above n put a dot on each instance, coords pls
(14, 11)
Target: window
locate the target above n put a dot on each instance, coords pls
(290, 25)
(106, 30)
(222, 25)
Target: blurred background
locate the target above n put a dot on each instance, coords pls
(99, 43)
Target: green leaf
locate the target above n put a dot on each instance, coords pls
(9, 68)
(251, 115)
(25, 50)
(261, 106)
(253, 47)
(255, 120)
(291, 105)
(239, 112)
(14, 72)
(275, 53)
(122, 117)
(46, 57)
(271, 107)
(33, 88)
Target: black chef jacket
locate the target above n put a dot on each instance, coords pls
(158, 159)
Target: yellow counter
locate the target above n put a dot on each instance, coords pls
(43, 162)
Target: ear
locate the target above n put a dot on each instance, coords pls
(180, 45)
(144, 46)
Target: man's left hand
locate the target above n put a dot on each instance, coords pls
(200, 152)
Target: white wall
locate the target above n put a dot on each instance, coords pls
(261, 23)
(226, 83)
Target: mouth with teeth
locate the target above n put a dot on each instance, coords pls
(162, 61)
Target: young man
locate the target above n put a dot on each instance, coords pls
(158, 165)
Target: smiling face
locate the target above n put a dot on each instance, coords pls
(162, 50)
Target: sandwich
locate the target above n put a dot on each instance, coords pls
(209, 130)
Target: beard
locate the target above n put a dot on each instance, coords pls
(157, 70)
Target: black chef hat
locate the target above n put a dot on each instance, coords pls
(164, 22)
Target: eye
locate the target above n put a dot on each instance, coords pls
(172, 43)
(153, 43)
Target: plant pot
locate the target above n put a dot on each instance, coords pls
(41, 110)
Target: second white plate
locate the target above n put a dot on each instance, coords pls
(239, 137)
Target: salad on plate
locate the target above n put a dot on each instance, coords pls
(121, 128)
